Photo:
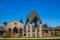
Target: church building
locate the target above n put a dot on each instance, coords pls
(32, 28)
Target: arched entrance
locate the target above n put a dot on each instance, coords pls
(20, 31)
(15, 30)
(9, 30)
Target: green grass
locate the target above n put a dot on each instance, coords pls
(29, 38)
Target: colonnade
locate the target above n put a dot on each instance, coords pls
(31, 31)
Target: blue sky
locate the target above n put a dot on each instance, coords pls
(47, 10)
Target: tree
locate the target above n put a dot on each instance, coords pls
(45, 26)
(5, 23)
(21, 21)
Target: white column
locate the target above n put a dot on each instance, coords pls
(36, 32)
(11, 31)
(49, 32)
(27, 30)
(30, 30)
(40, 30)
(53, 32)
(44, 32)
(18, 31)
(23, 30)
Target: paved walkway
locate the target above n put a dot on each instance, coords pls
(34, 38)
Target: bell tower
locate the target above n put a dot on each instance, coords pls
(33, 18)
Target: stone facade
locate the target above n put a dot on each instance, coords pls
(28, 33)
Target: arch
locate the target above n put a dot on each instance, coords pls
(9, 30)
(15, 30)
(20, 30)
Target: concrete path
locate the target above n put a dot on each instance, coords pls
(34, 38)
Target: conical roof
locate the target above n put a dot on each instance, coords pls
(32, 15)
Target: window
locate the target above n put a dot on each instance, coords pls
(15, 23)
(24, 34)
